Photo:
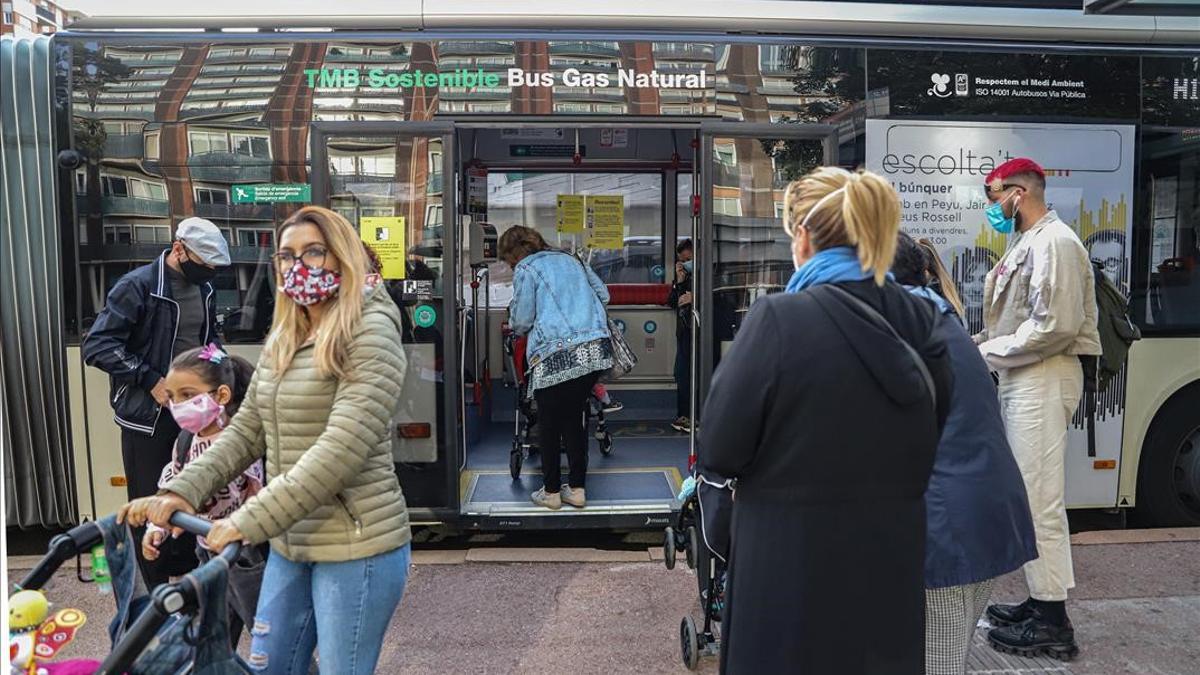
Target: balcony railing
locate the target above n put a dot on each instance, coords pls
(366, 58)
(435, 183)
(475, 47)
(229, 167)
(124, 146)
(579, 48)
(128, 206)
(685, 52)
(236, 211)
(148, 252)
(46, 14)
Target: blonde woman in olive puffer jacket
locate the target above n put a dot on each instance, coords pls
(319, 409)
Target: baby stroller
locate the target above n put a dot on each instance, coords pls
(701, 531)
(524, 438)
(178, 628)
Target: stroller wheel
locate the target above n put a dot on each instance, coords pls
(606, 445)
(515, 459)
(693, 547)
(689, 643)
(669, 548)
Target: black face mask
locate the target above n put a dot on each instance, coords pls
(196, 273)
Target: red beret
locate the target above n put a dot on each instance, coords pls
(1013, 167)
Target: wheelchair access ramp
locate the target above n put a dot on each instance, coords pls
(631, 497)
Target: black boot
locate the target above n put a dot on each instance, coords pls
(1036, 636)
(1007, 615)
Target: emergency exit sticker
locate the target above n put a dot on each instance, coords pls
(385, 234)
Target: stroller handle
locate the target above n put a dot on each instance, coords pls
(200, 527)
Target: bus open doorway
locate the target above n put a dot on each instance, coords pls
(621, 199)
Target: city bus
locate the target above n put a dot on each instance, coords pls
(433, 128)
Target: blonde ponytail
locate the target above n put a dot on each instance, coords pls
(840, 208)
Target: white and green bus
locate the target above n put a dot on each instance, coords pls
(441, 123)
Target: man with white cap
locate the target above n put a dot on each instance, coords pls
(153, 313)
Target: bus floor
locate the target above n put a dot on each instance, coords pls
(642, 474)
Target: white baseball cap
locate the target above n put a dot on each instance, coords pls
(203, 240)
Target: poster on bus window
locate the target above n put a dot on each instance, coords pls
(939, 167)
(570, 214)
(386, 235)
(605, 222)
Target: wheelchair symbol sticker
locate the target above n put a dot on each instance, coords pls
(657, 271)
(650, 327)
(424, 316)
(620, 325)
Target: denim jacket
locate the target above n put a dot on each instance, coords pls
(558, 302)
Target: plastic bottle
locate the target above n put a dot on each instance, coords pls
(100, 571)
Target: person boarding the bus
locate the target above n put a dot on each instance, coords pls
(977, 518)
(1039, 315)
(559, 302)
(153, 314)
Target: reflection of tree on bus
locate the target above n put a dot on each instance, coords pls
(1108, 248)
(969, 271)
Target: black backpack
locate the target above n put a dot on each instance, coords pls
(1117, 334)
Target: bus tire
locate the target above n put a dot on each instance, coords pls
(1168, 488)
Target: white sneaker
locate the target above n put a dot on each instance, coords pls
(573, 496)
(550, 501)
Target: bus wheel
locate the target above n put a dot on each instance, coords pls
(1168, 492)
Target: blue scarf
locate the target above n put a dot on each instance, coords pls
(829, 266)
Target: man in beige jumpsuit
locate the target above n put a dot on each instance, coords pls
(1039, 318)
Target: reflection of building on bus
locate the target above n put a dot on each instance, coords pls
(969, 270)
(173, 127)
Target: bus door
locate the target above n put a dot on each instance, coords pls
(393, 180)
(742, 252)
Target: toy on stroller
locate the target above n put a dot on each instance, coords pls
(701, 531)
(524, 438)
(179, 627)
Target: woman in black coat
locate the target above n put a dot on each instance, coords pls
(829, 423)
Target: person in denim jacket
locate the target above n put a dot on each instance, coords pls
(559, 303)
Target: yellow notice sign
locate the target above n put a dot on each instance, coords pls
(606, 221)
(570, 213)
(386, 235)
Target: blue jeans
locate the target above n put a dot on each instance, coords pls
(340, 608)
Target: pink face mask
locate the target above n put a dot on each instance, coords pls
(197, 413)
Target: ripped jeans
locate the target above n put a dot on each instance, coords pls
(341, 609)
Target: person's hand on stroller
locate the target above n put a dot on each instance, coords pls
(151, 541)
(156, 509)
(222, 534)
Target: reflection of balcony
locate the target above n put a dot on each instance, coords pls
(366, 58)
(148, 252)
(46, 14)
(583, 94)
(221, 111)
(128, 206)
(434, 185)
(229, 167)
(726, 175)
(579, 48)
(236, 211)
(247, 58)
(124, 146)
(474, 47)
(687, 51)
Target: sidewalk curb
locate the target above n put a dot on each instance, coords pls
(1153, 536)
